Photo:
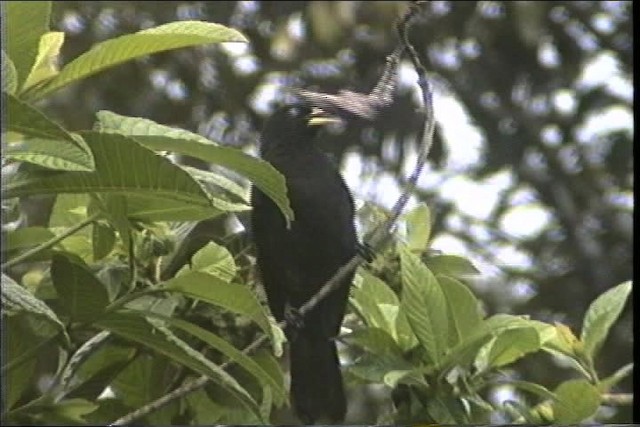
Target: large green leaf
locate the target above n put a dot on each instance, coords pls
(463, 308)
(508, 347)
(466, 350)
(153, 40)
(425, 305)
(154, 335)
(49, 153)
(233, 297)
(228, 350)
(52, 140)
(79, 291)
(9, 75)
(122, 167)
(16, 299)
(576, 401)
(601, 315)
(23, 25)
(164, 138)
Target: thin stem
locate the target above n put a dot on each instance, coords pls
(49, 243)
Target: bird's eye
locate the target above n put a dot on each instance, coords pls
(294, 112)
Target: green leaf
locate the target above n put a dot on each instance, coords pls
(418, 228)
(376, 341)
(465, 351)
(104, 239)
(425, 305)
(32, 123)
(212, 259)
(53, 154)
(508, 347)
(463, 308)
(164, 138)
(9, 75)
(213, 180)
(79, 291)
(23, 25)
(27, 237)
(368, 296)
(124, 48)
(601, 315)
(45, 66)
(158, 338)
(122, 167)
(68, 411)
(15, 345)
(576, 401)
(16, 299)
(228, 350)
(230, 296)
(451, 265)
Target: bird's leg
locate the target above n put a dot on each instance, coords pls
(295, 320)
(365, 251)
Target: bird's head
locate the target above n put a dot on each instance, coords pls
(294, 125)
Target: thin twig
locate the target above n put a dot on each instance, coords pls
(377, 240)
(49, 243)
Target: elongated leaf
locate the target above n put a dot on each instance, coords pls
(463, 308)
(54, 154)
(425, 305)
(23, 25)
(228, 350)
(576, 401)
(153, 40)
(16, 299)
(601, 315)
(418, 228)
(464, 352)
(157, 337)
(45, 66)
(164, 138)
(32, 123)
(9, 75)
(122, 167)
(83, 295)
(233, 297)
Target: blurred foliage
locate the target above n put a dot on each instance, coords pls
(518, 70)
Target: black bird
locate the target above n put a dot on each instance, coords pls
(294, 263)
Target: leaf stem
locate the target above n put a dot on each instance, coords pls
(49, 243)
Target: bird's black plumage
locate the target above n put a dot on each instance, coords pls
(294, 263)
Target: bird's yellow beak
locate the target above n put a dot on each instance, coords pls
(319, 117)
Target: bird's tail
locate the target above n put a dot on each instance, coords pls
(317, 392)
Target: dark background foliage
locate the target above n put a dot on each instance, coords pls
(515, 67)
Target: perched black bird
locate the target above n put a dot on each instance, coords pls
(294, 263)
